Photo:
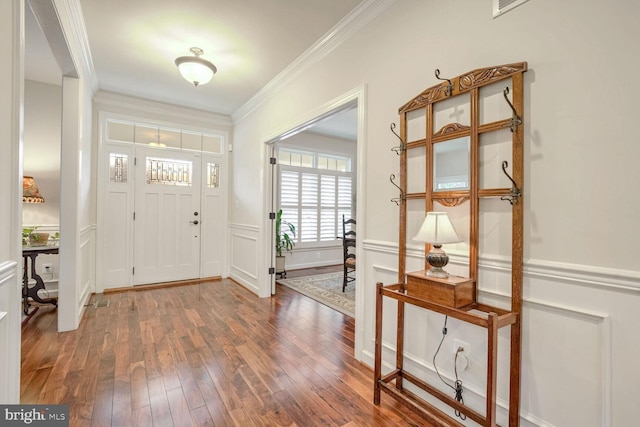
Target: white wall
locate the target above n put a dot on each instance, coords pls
(582, 280)
(41, 159)
(42, 114)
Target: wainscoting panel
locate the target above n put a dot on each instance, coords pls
(574, 354)
(244, 255)
(87, 267)
(9, 331)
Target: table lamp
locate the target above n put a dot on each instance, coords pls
(437, 230)
(30, 192)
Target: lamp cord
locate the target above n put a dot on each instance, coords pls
(458, 384)
(457, 387)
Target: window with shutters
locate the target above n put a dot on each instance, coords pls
(314, 199)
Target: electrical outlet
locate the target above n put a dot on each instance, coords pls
(47, 268)
(465, 346)
(461, 358)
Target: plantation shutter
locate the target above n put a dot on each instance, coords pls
(328, 209)
(290, 197)
(344, 198)
(309, 208)
(314, 203)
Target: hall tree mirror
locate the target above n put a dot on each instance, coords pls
(451, 165)
(460, 154)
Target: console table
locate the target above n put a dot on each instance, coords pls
(31, 253)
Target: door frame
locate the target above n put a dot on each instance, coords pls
(108, 109)
(355, 97)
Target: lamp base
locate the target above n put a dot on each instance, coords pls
(437, 272)
(437, 259)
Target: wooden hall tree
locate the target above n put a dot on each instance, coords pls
(458, 165)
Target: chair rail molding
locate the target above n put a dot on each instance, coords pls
(580, 275)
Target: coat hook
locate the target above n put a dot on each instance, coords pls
(516, 120)
(397, 200)
(515, 192)
(449, 89)
(402, 145)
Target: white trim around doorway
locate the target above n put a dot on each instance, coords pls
(357, 96)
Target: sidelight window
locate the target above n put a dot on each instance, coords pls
(213, 175)
(118, 167)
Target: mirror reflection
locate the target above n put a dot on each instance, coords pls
(451, 165)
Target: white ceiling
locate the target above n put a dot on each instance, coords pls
(134, 44)
(40, 64)
(342, 124)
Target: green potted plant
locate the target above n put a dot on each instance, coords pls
(31, 237)
(285, 235)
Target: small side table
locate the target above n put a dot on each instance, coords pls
(31, 253)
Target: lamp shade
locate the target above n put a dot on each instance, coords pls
(30, 192)
(437, 230)
(194, 69)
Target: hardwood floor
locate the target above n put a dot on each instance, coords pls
(204, 355)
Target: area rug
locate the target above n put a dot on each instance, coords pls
(326, 289)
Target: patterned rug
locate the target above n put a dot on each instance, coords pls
(326, 289)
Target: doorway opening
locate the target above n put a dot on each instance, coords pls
(41, 161)
(346, 114)
(316, 172)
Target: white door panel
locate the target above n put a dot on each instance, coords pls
(167, 209)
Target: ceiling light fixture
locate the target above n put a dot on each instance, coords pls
(195, 69)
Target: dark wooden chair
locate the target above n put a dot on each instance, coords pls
(348, 250)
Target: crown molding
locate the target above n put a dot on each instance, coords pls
(116, 103)
(65, 31)
(81, 42)
(364, 13)
(75, 30)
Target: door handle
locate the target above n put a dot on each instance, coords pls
(194, 222)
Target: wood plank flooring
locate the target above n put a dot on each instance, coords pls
(211, 354)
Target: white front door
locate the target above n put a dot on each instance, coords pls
(167, 216)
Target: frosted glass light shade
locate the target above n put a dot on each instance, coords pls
(194, 69)
(437, 230)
